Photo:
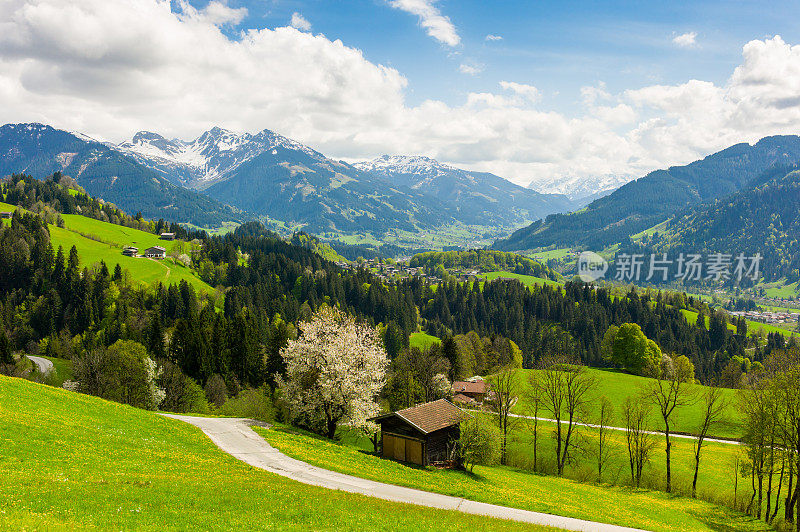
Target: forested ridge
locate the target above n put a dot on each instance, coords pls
(49, 302)
(484, 260)
(650, 200)
(764, 219)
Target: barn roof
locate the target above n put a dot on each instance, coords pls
(469, 387)
(430, 417)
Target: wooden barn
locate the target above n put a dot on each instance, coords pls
(424, 434)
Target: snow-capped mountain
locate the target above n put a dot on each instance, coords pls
(414, 170)
(212, 157)
(39, 150)
(479, 197)
(581, 189)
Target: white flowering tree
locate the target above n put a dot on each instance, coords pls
(334, 372)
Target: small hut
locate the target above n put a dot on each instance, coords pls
(425, 434)
(155, 252)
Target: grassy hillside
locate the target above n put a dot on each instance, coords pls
(527, 280)
(522, 489)
(102, 241)
(716, 481)
(618, 386)
(422, 340)
(109, 466)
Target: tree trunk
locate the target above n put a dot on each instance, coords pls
(669, 461)
(778, 495)
(696, 471)
(788, 506)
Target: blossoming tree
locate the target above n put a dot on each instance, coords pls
(334, 372)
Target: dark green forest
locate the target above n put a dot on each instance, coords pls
(47, 299)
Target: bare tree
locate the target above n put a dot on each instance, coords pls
(640, 441)
(605, 414)
(713, 410)
(566, 392)
(534, 402)
(784, 367)
(668, 395)
(504, 387)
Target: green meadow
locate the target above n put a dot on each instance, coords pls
(527, 280)
(102, 241)
(70, 461)
(520, 488)
(422, 340)
(618, 386)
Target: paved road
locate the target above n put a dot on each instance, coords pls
(45, 366)
(623, 429)
(235, 437)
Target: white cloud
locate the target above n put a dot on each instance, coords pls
(439, 26)
(492, 37)
(686, 40)
(300, 23)
(110, 68)
(219, 14)
(528, 91)
(471, 69)
(590, 94)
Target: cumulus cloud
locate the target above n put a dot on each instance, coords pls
(528, 91)
(439, 26)
(686, 40)
(471, 69)
(492, 37)
(111, 68)
(299, 22)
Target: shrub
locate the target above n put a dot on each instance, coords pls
(182, 394)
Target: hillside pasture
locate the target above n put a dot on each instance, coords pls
(98, 241)
(107, 466)
(519, 488)
(618, 386)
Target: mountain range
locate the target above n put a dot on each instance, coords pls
(763, 218)
(105, 172)
(227, 176)
(580, 189)
(657, 197)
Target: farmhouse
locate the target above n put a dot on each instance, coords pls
(424, 434)
(130, 251)
(155, 252)
(167, 236)
(474, 389)
(6, 214)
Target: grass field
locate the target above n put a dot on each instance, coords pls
(106, 245)
(522, 489)
(543, 256)
(421, 340)
(618, 386)
(527, 280)
(716, 479)
(107, 466)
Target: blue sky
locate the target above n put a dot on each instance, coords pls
(556, 46)
(567, 90)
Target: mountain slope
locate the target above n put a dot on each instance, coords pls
(212, 157)
(41, 150)
(657, 196)
(477, 198)
(764, 218)
(325, 196)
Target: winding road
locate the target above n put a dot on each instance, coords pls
(235, 437)
(45, 366)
